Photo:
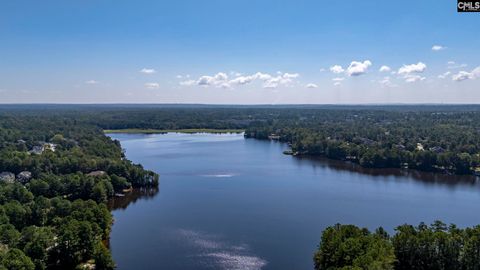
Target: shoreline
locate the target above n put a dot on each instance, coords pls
(162, 131)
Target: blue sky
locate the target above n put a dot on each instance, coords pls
(234, 51)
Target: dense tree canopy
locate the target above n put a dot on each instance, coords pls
(442, 141)
(420, 248)
(349, 247)
(57, 174)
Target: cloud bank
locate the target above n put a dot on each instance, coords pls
(222, 80)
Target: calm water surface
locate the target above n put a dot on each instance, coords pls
(225, 202)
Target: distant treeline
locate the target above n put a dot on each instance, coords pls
(423, 247)
(428, 138)
(429, 141)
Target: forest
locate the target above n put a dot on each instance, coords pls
(438, 140)
(437, 246)
(435, 138)
(58, 169)
(56, 175)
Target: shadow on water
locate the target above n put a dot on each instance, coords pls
(381, 173)
(122, 203)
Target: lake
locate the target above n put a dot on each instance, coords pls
(225, 202)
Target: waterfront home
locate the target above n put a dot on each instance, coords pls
(420, 147)
(274, 136)
(7, 177)
(37, 150)
(437, 149)
(24, 177)
(50, 146)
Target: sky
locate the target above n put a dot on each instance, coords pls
(238, 52)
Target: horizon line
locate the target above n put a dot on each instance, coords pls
(244, 104)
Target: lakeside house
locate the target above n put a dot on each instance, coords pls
(24, 177)
(437, 149)
(50, 146)
(420, 147)
(274, 136)
(7, 177)
(39, 149)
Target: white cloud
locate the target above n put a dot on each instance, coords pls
(410, 72)
(282, 79)
(152, 85)
(250, 78)
(464, 75)
(272, 83)
(437, 48)
(358, 68)
(476, 72)
(91, 82)
(413, 68)
(384, 69)
(311, 85)
(147, 70)
(444, 75)
(461, 76)
(222, 80)
(216, 80)
(243, 80)
(336, 69)
(410, 78)
(337, 84)
(262, 76)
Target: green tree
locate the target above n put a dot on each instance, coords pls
(37, 241)
(15, 259)
(103, 258)
(349, 247)
(9, 236)
(471, 251)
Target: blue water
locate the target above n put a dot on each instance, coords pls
(226, 202)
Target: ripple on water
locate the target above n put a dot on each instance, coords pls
(212, 250)
(219, 175)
